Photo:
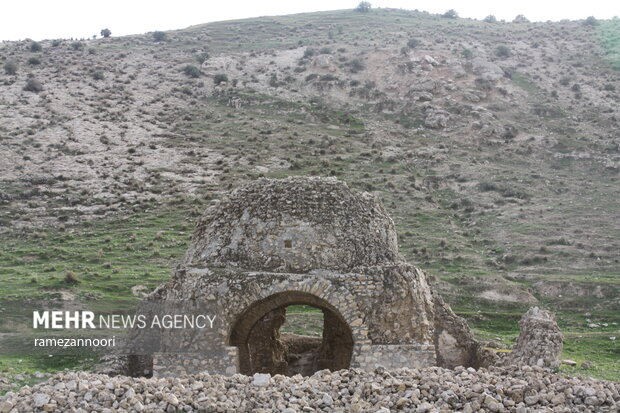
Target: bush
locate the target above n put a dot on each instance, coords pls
(219, 78)
(565, 81)
(159, 36)
(363, 7)
(33, 85)
(106, 32)
(35, 47)
(98, 75)
(609, 87)
(55, 43)
(191, 71)
(490, 19)
(356, 65)
(467, 54)
(325, 50)
(502, 51)
(521, 19)
(10, 67)
(34, 61)
(590, 21)
(77, 45)
(413, 43)
(450, 14)
(309, 52)
(71, 278)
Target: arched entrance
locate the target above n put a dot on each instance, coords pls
(263, 350)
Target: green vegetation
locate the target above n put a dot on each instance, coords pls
(35, 47)
(609, 35)
(192, 71)
(363, 7)
(33, 85)
(502, 51)
(10, 67)
(450, 14)
(106, 33)
(159, 36)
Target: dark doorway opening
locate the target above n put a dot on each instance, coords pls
(269, 344)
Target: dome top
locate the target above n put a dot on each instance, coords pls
(294, 225)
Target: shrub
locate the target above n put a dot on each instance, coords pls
(363, 7)
(325, 50)
(77, 45)
(98, 75)
(565, 81)
(490, 19)
(219, 78)
(356, 65)
(502, 51)
(34, 61)
(413, 43)
(609, 87)
(159, 36)
(10, 67)
(467, 54)
(191, 71)
(590, 21)
(35, 47)
(521, 19)
(33, 85)
(309, 52)
(106, 32)
(55, 43)
(450, 14)
(71, 278)
(576, 88)
(92, 50)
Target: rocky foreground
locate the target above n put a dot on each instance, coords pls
(518, 389)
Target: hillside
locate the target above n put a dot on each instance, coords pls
(494, 146)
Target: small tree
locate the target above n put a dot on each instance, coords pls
(467, 54)
(450, 14)
(490, 19)
(159, 36)
(106, 32)
(220, 78)
(521, 19)
(191, 71)
(502, 51)
(35, 47)
(356, 65)
(33, 85)
(591, 21)
(363, 7)
(10, 67)
(413, 43)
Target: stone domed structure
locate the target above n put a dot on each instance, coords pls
(275, 243)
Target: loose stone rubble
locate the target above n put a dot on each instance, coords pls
(432, 389)
(540, 340)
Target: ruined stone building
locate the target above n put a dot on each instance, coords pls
(275, 243)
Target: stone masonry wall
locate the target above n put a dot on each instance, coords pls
(222, 361)
(392, 356)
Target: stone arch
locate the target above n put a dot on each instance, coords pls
(255, 332)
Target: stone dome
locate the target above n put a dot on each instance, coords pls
(294, 225)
